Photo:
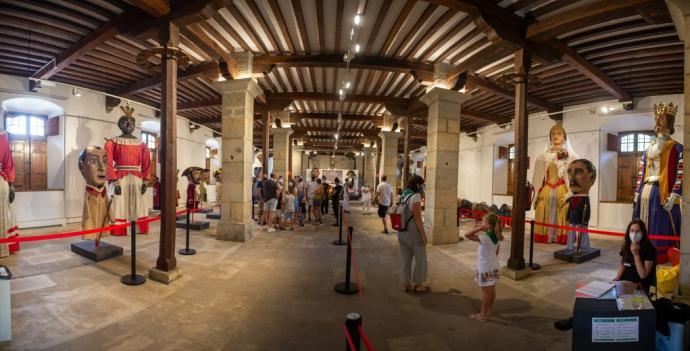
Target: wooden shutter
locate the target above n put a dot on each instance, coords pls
(39, 165)
(21, 163)
(627, 176)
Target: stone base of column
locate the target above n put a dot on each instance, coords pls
(443, 235)
(163, 276)
(238, 232)
(514, 274)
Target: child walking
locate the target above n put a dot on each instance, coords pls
(489, 237)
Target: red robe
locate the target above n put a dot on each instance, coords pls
(8, 174)
(127, 156)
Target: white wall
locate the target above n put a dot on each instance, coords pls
(587, 135)
(85, 123)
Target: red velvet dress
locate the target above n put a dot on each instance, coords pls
(8, 226)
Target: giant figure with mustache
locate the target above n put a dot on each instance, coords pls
(96, 213)
(582, 174)
(659, 181)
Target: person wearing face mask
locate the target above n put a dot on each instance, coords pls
(413, 238)
(638, 264)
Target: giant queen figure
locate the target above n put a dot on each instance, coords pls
(659, 181)
(128, 171)
(8, 227)
(551, 173)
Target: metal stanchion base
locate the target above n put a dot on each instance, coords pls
(339, 242)
(343, 288)
(187, 252)
(136, 279)
(535, 266)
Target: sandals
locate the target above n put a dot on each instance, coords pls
(479, 317)
(420, 289)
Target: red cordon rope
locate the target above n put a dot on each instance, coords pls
(476, 215)
(365, 338)
(348, 337)
(16, 239)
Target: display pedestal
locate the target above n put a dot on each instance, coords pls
(181, 216)
(205, 210)
(577, 257)
(213, 215)
(89, 250)
(196, 225)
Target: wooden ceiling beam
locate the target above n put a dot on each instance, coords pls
(474, 81)
(312, 96)
(155, 8)
(298, 116)
(301, 26)
(206, 68)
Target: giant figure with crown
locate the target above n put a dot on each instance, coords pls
(127, 171)
(659, 181)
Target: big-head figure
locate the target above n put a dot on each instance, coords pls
(8, 227)
(96, 214)
(194, 178)
(659, 181)
(581, 175)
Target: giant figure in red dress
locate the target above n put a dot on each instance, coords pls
(128, 170)
(8, 227)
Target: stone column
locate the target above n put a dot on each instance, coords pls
(389, 157)
(281, 147)
(237, 116)
(369, 166)
(297, 155)
(680, 12)
(442, 154)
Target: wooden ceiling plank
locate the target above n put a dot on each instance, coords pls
(444, 39)
(430, 9)
(434, 29)
(249, 29)
(320, 26)
(380, 17)
(395, 30)
(475, 81)
(301, 26)
(275, 8)
(264, 26)
(156, 8)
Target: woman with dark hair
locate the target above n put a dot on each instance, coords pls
(412, 237)
(638, 258)
(638, 264)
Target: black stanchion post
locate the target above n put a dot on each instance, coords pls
(340, 230)
(532, 265)
(347, 287)
(187, 251)
(133, 278)
(352, 323)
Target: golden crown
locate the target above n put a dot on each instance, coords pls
(664, 109)
(128, 111)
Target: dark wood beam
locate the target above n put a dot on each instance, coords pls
(297, 116)
(474, 81)
(310, 96)
(193, 71)
(583, 66)
(421, 71)
(373, 131)
(155, 8)
(195, 105)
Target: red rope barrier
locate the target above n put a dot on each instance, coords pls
(477, 215)
(348, 337)
(365, 338)
(53, 236)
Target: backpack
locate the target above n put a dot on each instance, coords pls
(399, 212)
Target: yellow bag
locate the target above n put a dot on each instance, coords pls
(667, 280)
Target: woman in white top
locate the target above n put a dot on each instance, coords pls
(489, 237)
(346, 196)
(366, 199)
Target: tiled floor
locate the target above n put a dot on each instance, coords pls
(276, 293)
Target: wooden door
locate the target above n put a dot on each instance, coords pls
(39, 163)
(627, 176)
(21, 164)
(511, 176)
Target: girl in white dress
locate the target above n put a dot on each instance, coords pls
(488, 268)
(366, 199)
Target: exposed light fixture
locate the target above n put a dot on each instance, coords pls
(604, 109)
(347, 85)
(463, 90)
(358, 20)
(336, 136)
(220, 78)
(76, 92)
(340, 92)
(356, 47)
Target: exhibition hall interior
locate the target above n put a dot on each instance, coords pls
(344, 175)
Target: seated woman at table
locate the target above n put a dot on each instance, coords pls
(638, 264)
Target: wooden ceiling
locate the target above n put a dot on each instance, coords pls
(584, 51)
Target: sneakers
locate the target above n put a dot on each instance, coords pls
(385, 231)
(271, 230)
(564, 324)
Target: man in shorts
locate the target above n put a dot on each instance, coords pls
(270, 201)
(384, 196)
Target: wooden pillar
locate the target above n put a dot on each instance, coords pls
(265, 142)
(166, 264)
(406, 153)
(516, 262)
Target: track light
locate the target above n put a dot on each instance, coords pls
(357, 20)
(336, 136)
(347, 85)
(356, 48)
(76, 92)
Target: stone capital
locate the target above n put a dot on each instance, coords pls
(437, 94)
(388, 134)
(281, 132)
(246, 85)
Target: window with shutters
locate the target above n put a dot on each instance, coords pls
(28, 142)
(151, 141)
(632, 146)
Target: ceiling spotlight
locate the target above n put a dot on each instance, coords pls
(356, 47)
(347, 85)
(346, 57)
(76, 92)
(340, 92)
(358, 20)
(336, 136)
(604, 109)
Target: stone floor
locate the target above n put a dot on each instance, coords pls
(276, 293)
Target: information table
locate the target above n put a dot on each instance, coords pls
(599, 324)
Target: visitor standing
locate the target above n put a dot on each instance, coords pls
(337, 190)
(413, 238)
(311, 188)
(384, 197)
(324, 201)
(270, 202)
(301, 199)
(488, 272)
(259, 195)
(366, 199)
(279, 207)
(316, 202)
(290, 207)
(347, 192)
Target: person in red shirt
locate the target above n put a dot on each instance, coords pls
(128, 170)
(8, 227)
